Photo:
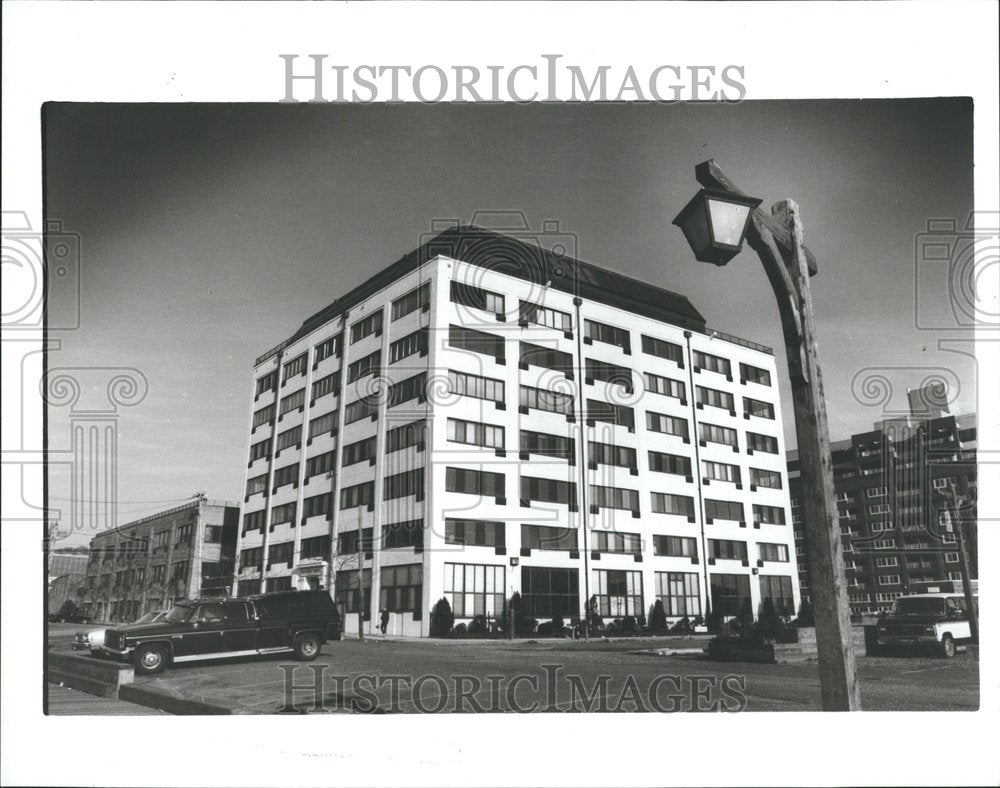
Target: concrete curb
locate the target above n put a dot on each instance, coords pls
(174, 704)
(87, 674)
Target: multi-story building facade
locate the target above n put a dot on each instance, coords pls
(896, 527)
(484, 417)
(187, 551)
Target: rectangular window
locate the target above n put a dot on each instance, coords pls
(408, 345)
(360, 451)
(678, 591)
(755, 407)
(401, 588)
(412, 301)
(609, 413)
(615, 542)
(727, 549)
(668, 387)
(363, 408)
(667, 425)
(721, 471)
(266, 383)
(608, 454)
(730, 593)
(297, 366)
(323, 425)
(715, 398)
(610, 373)
(534, 488)
(664, 503)
(290, 438)
(550, 593)
(352, 542)
(764, 443)
(251, 557)
(663, 349)
(713, 433)
(466, 480)
(884, 563)
(253, 521)
(292, 402)
(406, 534)
(875, 492)
(547, 444)
(772, 515)
(333, 346)
(260, 450)
(712, 363)
(610, 335)
(751, 374)
(367, 326)
(548, 537)
(723, 510)
(543, 399)
(545, 316)
(477, 298)
(263, 416)
(159, 572)
(764, 478)
(180, 570)
(474, 433)
(255, 484)
(770, 551)
(888, 580)
(317, 504)
(614, 498)
(476, 341)
(283, 514)
(414, 387)
(779, 591)
(213, 534)
(368, 365)
(669, 463)
(315, 547)
(477, 533)
(349, 596)
(467, 385)
(289, 474)
(328, 384)
(400, 485)
(675, 546)
(405, 435)
(619, 593)
(183, 535)
(357, 495)
(549, 358)
(878, 508)
(475, 589)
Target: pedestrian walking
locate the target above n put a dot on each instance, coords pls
(385, 621)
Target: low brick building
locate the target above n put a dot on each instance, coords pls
(187, 551)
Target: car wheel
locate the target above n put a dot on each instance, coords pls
(306, 647)
(149, 659)
(947, 647)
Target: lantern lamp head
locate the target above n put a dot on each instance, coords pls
(715, 224)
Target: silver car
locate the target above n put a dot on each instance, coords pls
(93, 639)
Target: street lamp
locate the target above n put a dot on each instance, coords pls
(715, 223)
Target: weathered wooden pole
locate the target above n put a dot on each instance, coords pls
(777, 240)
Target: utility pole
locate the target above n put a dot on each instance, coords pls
(952, 496)
(777, 240)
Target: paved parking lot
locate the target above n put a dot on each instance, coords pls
(434, 676)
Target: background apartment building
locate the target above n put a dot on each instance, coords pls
(896, 527)
(187, 551)
(484, 417)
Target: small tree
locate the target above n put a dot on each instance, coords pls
(658, 618)
(68, 609)
(769, 625)
(714, 619)
(629, 625)
(478, 626)
(442, 619)
(594, 620)
(744, 620)
(558, 625)
(806, 616)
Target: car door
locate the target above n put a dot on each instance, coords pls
(204, 635)
(273, 622)
(240, 628)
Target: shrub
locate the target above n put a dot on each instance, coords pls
(629, 625)
(478, 626)
(594, 619)
(460, 630)
(682, 627)
(697, 621)
(442, 619)
(658, 618)
(715, 619)
(806, 616)
(545, 628)
(769, 624)
(558, 625)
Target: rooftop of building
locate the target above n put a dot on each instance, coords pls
(504, 254)
(165, 513)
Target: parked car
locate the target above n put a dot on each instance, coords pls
(938, 621)
(93, 639)
(196, 629)
(68, 618)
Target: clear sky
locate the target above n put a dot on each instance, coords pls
(210, 232)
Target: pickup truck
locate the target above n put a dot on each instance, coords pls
(298, 622)
(938, 621)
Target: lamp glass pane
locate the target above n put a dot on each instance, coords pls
(728, 221)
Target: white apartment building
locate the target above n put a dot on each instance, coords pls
(484, 417)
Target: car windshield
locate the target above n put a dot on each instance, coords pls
(149, 618)
(178, 614)
(918, 606)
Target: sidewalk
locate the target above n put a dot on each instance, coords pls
(64, 701)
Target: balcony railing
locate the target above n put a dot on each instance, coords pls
(739, 341)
